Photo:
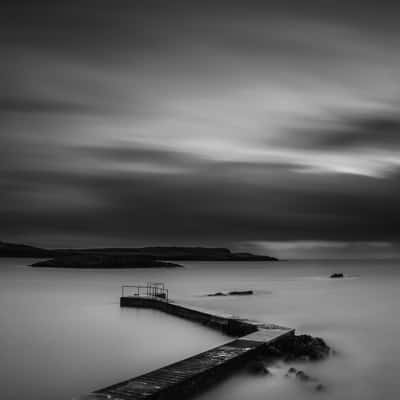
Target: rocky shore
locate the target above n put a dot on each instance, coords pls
(296, 348)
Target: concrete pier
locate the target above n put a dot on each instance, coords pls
(186, 377)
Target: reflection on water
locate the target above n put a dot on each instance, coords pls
(63, 333)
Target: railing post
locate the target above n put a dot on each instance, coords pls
(156, 290)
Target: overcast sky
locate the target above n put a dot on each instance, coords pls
(268, 125)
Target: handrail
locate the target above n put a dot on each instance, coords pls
(153, 290)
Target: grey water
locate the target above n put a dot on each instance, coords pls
(62, 332)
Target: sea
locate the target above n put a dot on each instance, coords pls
(63, 334)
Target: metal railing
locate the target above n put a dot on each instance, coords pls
(151, 289)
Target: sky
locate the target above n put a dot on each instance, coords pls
(261, 125)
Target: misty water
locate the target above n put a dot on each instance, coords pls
(63, 333)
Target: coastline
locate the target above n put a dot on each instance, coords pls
(135, 257)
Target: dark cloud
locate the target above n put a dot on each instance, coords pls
(129, 152)
(199, 122)
(26, 105)
(357, 131)
(203, 208)
(366, 131)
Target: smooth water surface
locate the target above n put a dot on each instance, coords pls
(63, 333)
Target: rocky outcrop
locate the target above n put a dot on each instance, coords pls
(319, 387)
(257, 367)
(300, 348)
(233, 293)
(304, 377)
(337, 275)
(301, 375)
(241, 293)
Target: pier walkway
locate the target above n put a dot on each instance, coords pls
(186, 377)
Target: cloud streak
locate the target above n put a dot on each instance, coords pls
(25, 105)
(199, 122)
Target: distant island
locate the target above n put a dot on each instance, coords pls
(104, 261)
(23, 250)
(125, 257)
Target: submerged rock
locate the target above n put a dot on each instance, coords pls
(320, 387)
(305, 378)
(302, 376)
(291, 371)
(337, 275)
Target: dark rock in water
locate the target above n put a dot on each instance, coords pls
(320, 387)
(337, 275)
(258, 367)
(103, 261)
(241, 293)
(273, 351)
(291, 371)
(233, 293)
(303, 347)
(302, 376)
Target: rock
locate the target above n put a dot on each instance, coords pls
(303, 347)
(320, 387)
(291, 371)
(273, 351)
(304, 358)
(233, 293)
(258, 367)
(302, 376)
(241, 293)
(337, 275)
